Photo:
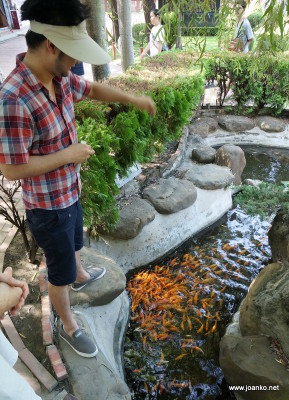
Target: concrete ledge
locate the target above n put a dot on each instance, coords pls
(166, 232)
(254, 137)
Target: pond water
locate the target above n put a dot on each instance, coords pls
(182, 305)
(268, 165)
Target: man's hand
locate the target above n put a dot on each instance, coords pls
(145, 103)
(78, 152)
(14, 294)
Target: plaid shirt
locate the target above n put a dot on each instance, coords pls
(32, 124)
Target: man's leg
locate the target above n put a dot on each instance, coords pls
(81, 274)
(54, 232)
(59, 296)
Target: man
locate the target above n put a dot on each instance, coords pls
(38, 143)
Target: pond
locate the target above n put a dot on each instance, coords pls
(182, 305)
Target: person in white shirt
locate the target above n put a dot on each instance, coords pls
(243, 28)
(157, 41)
(13, 293)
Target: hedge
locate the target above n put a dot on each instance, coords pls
(263, 80)
(122, 135)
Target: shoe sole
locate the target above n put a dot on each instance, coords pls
(79, 352)
(87, 283)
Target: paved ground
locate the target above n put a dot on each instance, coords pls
(14, 43)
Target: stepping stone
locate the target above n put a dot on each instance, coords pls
(270, 124)
(134, 214)
(100, 377)
(204, 154)
(236, 124)
(101, 291)
(203, 126)
(210, 176)
(171, 195)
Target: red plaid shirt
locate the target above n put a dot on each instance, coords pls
(31, 123)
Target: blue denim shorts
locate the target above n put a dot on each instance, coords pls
(60, 234)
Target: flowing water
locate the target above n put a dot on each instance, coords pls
(182, 305)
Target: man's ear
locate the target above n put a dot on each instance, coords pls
(50, 47)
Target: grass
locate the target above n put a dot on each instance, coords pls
(193, 43)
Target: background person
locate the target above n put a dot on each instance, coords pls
(78, 69)
(243, 28)
(244, 33)
(38, 144)
(157, 36)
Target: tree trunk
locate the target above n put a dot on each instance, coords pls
(148, 6)
(97, 30)
(113, 4)
(125, 30)
(180, 24)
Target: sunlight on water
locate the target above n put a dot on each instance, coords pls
(180, 309)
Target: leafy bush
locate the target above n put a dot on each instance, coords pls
(170, 21)
(122, 135)
(264, 200)
(278, 43)
(265, 79)
(256, 19)
(139, 33)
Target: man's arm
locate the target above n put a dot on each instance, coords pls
(144, 53)
(109, 94)
(39, 165)
(160, 46)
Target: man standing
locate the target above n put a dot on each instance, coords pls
(38, 143)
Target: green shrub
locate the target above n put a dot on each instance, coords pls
(265, 79)
(170, 22)
(139, 34)
(278, 43)
(263, 200)
(122, 135)
(255, 19)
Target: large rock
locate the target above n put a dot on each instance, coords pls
(204, 154)
(236, 124)
(233, 157)
(171, 195)
(249, 361)
(210, 176)
(134, 214)
(279, 237)
(203, 126)
(245, 356)
(265, 309)
(101, 291)
(270, 124)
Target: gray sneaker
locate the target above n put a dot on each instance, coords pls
(80, 343)
(95, 273)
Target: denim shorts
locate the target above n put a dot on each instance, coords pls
(60, 234)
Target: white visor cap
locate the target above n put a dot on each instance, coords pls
(73, 41)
